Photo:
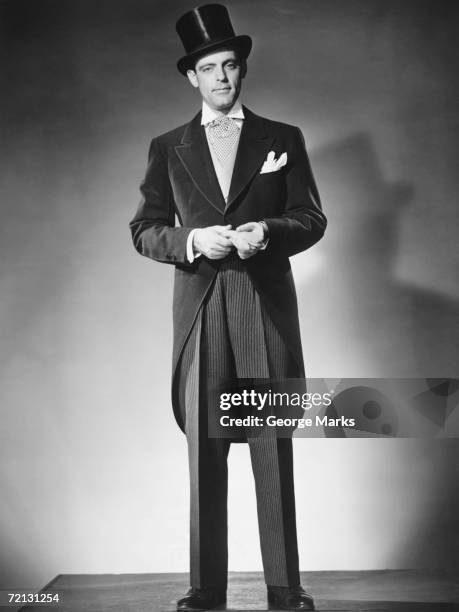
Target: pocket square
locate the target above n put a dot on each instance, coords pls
(273, 165)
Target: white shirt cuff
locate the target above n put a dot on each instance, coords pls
(190, 254)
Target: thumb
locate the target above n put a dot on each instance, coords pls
(246, 227)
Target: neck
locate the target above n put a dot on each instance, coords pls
(225, 110)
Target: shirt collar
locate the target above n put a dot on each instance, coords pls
(209, 114)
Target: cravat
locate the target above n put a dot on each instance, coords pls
(223, 136)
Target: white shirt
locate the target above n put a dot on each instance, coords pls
(208, 115)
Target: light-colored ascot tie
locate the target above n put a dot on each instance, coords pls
(223, 137)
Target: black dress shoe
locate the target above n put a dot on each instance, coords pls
(289, 598)
(201, 599)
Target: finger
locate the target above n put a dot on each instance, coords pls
(244, 248)
(241, 245)
(251, 248)
(246, 227)
(235, 237)
(221, 249)
(221, 241)
(217, 254)
(222, 228)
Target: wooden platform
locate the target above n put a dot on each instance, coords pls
(381, 591)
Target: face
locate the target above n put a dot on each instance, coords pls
(218, 77)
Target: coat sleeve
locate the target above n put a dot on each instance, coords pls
(303, 223)
(153, 227)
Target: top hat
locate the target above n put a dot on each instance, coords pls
(206, 29)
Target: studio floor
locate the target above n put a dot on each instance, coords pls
(381, 591)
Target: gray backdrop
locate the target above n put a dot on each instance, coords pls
(93, 474)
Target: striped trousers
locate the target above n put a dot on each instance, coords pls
(234, 337)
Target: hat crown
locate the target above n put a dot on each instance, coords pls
(206, 29)
(204, 25)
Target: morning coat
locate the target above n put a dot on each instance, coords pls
(180, 182)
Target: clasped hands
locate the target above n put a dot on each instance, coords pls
(217, 241)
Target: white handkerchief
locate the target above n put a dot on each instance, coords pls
(273, 165)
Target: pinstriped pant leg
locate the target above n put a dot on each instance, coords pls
(234, 336)
(207, 355)
(260, 352)
(272, 463)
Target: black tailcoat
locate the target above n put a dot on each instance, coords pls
(181, 182)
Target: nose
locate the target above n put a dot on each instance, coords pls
(221, 74)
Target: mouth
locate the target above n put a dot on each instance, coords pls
(223, 89)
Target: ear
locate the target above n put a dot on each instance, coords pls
(191, 74)
(243, 68)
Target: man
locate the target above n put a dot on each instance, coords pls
(245, 198)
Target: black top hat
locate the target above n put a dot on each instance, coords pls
(206, 29)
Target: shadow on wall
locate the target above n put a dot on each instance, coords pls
(375, 325)
(389, 327)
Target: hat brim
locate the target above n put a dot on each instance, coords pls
(242, 43)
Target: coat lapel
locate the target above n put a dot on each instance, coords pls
(194, 154)
(254, 145)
